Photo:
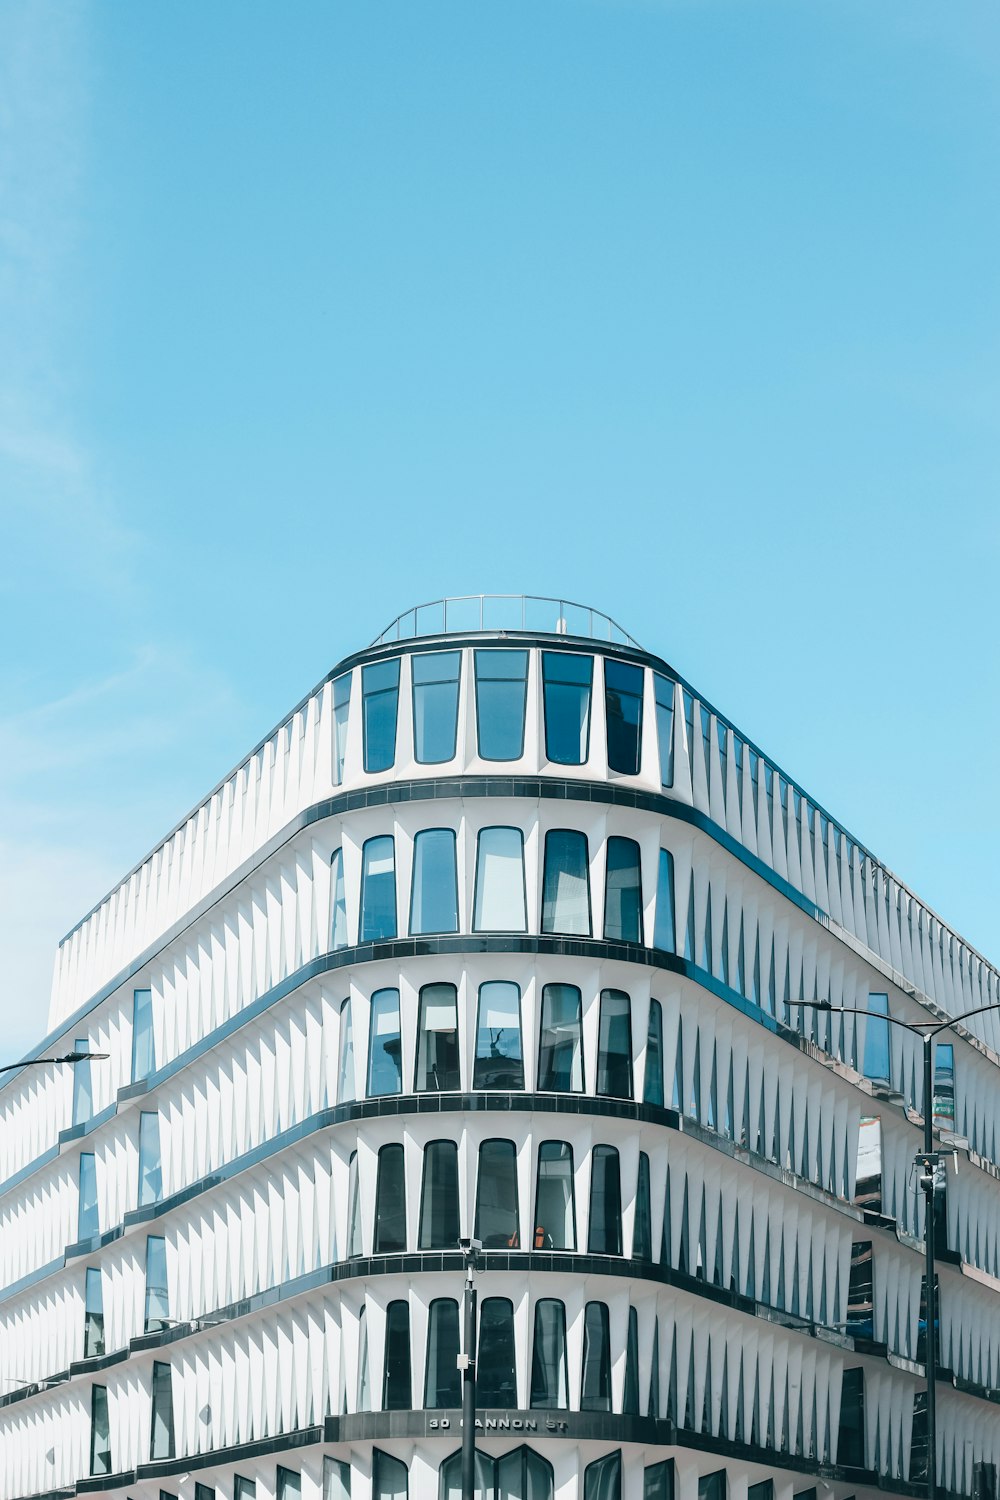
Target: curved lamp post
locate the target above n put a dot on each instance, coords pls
(67, 1057)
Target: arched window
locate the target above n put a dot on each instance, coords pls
(595, 1389)
(605, 1229)
(500, 904)
(390, 1202)
(380, 696)
(385, 1063)
(499, 1060)
(389, 1477)
(437, 1039)
(496, 1382)
(338, 921)
(602, 1480)
(353, 1209)
(664, 929)
(396, 1393)
(555, 1207)
(520, 1475)
(560, 1040)
(345, 1086)
(566, 883)
(442, 1380)
(434, 888)
(614, 1048)
(623, 892)
(549, 1384)
(496, 1199)
(439, 1197)
(435, 705)
(450, 1477)
(623, 715)
(378, 889)
(501, 693)
(566, 684)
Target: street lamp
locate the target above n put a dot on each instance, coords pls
(67, 1057)
(467, 1365)
(928, 1160)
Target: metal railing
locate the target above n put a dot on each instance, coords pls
(524, 612)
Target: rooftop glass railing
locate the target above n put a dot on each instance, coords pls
(468, 613)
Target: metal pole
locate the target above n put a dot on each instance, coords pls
(469, 1388)
(930, 1300)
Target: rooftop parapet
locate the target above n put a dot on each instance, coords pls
(466, 614)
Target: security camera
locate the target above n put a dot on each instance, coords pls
(468, 1245)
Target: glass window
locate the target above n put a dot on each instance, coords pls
(560, 1040)
(764, 1490)
(605, 1230)
(623, 892)
(83, 1100)
(345, 1088)
(388, 1477)
(204, 1491)
(143, 1045)
(623, 711)
(364, 1401)
(602, 1480)
(484, 1484)
(353, 1209)
(665, 727)
(877, 1039)
(385, 1070)
(566, 682)
(496, 1198)
(524, 1475)
(712, 1486)
(642, 1234)
(614, 1050)
(658, 1481)
(496, 1384)
(341, 690)
(566, 883)
(664, 931)
(555, 1203)
(88, 1223)
(161, 1432)
(595, 1390)
(944, 1085)
(396, 1395)
(652, 1083)
(549, 1384)
(501, 694)
(338, 924)
(157, 1310)
(380, 694)
(434, 889)
(439, 1197)
(378, 889)
(499, 1063)
(390, 1202)
(500, 899)
(437, 1039)
(244, 1488)
(336, 1479)
(150, 1176)
(442, 1380)
(100, 1431)
(435, 705)
(630, 1394)
(93, 1314)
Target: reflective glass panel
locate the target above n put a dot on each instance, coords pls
(605, 1232)
(642, 1232)
(496, 1197)
(560, 1041)
(439, 1197)
(83, 1102)
(944, 1085)
(93, 1314)
(566, 682)
(345, 1088)
(623, 709)
(378, 889)
(87, 1217)
(499, 1063)
(664, 932)
(161, 1433)
(385, 1070)
(484, 1477)
(390, 1202)
(623, 892)
(437, 1039)
(289, 1484)
(353, 1209)
(434, 890)
(338, 924)
(443, 1381)
(652, 1084)
(364, 1401)
(595, 1390)
(435, 705)
(524, 1475)
(614, 1049)
(603, 1480)
(501, 693)
(549, 1383)
(500, 901)
(157, 1309)
(389, 1480)
(396, 1394)
(150, 1176)
(244, 1488)
(566, 883)
(665, 727)
(341, 691)
(555, 1204)
(877, 1039)
(380, 694)
(658, 1481)
(143, 1045)
(100, 1431)
(496, 1384)
(336, 1479)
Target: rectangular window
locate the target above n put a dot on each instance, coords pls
(664, 930)
(341, 691)
(560, 1040)
(390, 1201)
(442, 1382)
(289, 1484)
(499, 1059)
(614, 1049)
(437, 1039)
(566, 681)
(157, 1311)
(549, 1383)
(88, 1224)
(338, 925)
(93, 1315)
(566, 883)
(337, 1479)
(623, 892)
(851, 1444)
(345, 1087)
(385, 1072)
(100, 1431)
(161, 1432)
(435, 705)
(623, 689)
(434, 888)
(378, 890)
(500, 898)
(83, 1102)
(665, 727)
(438, 1229)
(380, 697)
(204, 1491)
(658, 1481)
(605, 1230)
(877, 1039)
(944, 1085)
(143, 1046)
(712, 1486)
(150, 1176)
(555, 1201)
(501, 694)
(652, 1087)
(244, 1488)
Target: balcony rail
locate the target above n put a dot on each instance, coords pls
(466, 613)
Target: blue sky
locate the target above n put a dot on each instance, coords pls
(689, 310)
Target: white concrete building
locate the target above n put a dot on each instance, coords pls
(499, 934)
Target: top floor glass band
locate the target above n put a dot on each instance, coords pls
(468, 613)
